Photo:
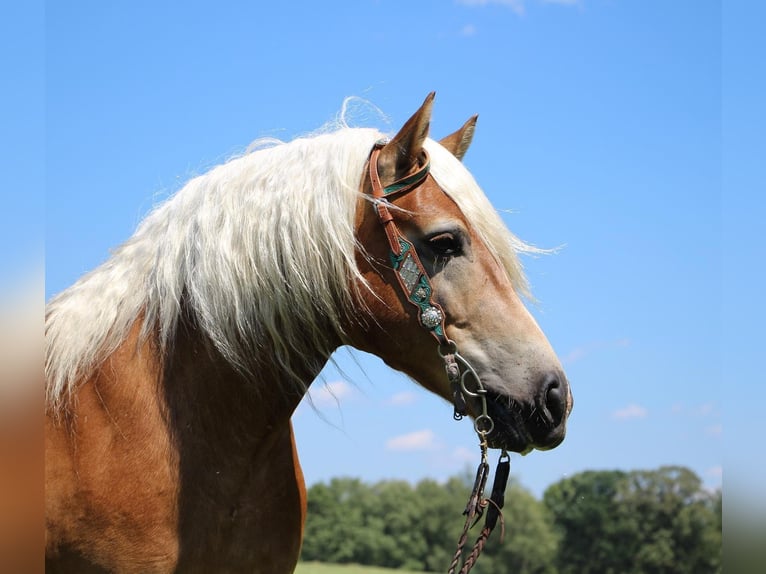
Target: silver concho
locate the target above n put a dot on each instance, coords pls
(420, 293)
(431, 317)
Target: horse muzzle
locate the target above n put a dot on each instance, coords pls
(538, 423)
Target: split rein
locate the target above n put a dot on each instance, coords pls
(416, 286)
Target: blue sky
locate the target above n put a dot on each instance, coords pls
(600, 130)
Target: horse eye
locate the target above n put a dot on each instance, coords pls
(445, 244)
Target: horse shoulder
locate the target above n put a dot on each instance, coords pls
(111, 485)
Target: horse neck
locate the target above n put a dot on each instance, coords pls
(234, 443)
(220, 410)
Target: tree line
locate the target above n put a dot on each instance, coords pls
(596, 522)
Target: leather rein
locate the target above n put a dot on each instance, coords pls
(416, 286)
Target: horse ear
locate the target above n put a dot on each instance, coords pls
(458, 142)
(402, 154)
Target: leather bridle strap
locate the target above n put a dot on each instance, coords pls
(408, 268)
(416, 286)
(418, 290)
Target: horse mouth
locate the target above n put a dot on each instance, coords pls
(520, 429)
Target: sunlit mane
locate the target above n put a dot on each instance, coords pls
(259, 252)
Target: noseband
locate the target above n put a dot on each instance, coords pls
(418, 290)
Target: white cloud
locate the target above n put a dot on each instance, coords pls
(715, 473)
(468, 30)
(515, 5)
(418, 440)
(464, 455)
(331, 393)
(632, 411)
(402, 399)
(706, 409)
(587, 349)
(715, 430)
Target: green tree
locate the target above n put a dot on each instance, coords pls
(397, 513)
(530, 544)
(641, 522)
(583, 507)
(679, 529)
(441, 521)
(395, 525)
(335, 526)
(380, 524)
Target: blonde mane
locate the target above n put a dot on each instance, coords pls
(259, 251)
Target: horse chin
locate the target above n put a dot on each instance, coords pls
(511, 445)
(508, 438)
(508, 431)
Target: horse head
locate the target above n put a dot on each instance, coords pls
(469, 302)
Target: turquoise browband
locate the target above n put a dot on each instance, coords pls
(409, 181)
(406, 182)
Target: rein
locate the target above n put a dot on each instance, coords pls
(416, 286)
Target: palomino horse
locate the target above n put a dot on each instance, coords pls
(173, 369)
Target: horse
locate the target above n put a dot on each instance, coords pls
(173, 369)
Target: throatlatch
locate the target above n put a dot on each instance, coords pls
(418, 290)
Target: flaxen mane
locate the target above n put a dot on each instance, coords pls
(259, 251)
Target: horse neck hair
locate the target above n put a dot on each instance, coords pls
(259, 252)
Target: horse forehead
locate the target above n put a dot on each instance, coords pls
(430, 202)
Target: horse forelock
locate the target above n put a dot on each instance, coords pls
(259, 251)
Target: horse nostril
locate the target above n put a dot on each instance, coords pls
(555, 396)
(550, 408)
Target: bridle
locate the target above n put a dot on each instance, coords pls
(416, 287)
(418, 290)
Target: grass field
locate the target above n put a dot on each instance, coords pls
(321, 568)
